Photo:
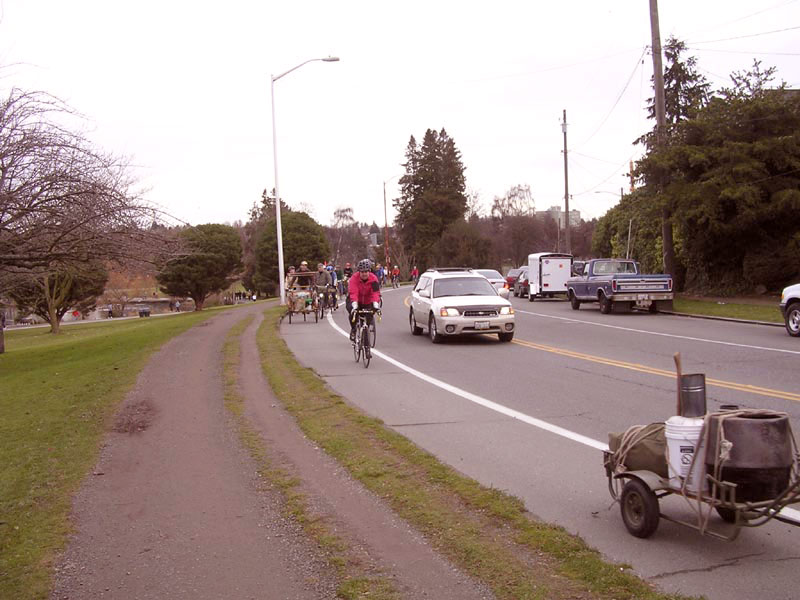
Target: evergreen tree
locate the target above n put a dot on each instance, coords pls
(433, 194)
(303, 239)
(213, 262)
(735, 186)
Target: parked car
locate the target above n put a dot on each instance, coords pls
(494, 277)
(617, 285)
(512, 275)
(459, 302)
(790, 309)
(522, 284)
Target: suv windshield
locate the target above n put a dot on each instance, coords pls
(463, 286)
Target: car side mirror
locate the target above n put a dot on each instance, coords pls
(425, 293)
(503, 293)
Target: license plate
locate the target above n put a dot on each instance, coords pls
(642, 297)
(482, 325)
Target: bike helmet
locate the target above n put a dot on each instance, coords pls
(329, 267)
(364, 265)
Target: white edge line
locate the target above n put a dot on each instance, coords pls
(510, 412)
(504, 410)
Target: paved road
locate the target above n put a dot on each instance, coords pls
(588, 374)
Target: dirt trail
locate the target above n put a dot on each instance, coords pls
(173, 508)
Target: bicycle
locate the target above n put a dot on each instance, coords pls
(365, 337)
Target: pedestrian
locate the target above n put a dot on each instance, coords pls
(414, 274)
(177, 306)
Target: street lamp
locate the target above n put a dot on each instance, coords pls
(386, 224)
(275, 78)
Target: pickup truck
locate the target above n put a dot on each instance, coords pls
(617, 286)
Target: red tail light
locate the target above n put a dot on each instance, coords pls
(670, 284)
(613, 285)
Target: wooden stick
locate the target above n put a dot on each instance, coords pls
(677, 357)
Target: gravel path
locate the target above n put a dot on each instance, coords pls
(174, 509)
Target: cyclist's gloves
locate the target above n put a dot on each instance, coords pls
(355, 305)
(376, 305)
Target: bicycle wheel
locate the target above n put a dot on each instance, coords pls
(357, 345)
(366, 353)
(373, 333)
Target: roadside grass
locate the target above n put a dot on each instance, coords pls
(484, 531)
(721, 308)
(58, 394)
(354, 581)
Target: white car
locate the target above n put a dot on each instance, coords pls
(494, 277)
(459, 302)
(790, 309)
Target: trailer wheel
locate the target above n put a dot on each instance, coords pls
(726, 514)
(639, 508)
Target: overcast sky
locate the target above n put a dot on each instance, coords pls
(183, 88)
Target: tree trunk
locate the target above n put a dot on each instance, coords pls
(2, 340)
(668, 246)
(198, 304)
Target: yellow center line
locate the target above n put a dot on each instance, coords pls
(741, 387)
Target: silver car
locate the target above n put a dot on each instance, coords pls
(494, 277)
(459, 302)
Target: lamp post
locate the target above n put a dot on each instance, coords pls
(386, 224)
(630, 222)
(275, 78)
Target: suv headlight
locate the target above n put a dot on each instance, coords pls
(507, 310)
(448, 312)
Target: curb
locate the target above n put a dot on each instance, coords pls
(713, 318)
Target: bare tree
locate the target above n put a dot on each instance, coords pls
(64, 204)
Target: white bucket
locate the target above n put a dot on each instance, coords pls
(683, 440)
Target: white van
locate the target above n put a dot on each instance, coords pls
(548, 273)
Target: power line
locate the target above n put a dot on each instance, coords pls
(745, 52)
(741, 37)
(720, 25)
(616, 172)
(619, 97)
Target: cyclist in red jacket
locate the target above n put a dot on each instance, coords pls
(365, 292)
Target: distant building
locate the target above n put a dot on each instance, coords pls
(557, 214)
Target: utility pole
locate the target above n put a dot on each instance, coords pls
(667, 243)
(566, 185)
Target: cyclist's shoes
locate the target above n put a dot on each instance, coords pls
(352, 336)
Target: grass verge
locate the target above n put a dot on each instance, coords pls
(484, 531)
(715, 308)
(58, 394)
(355, 582)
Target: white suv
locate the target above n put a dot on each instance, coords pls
(790, 308)
(458, 302)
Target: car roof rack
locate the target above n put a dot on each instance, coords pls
(449, 269)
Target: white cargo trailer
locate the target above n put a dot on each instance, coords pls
(548, 273)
